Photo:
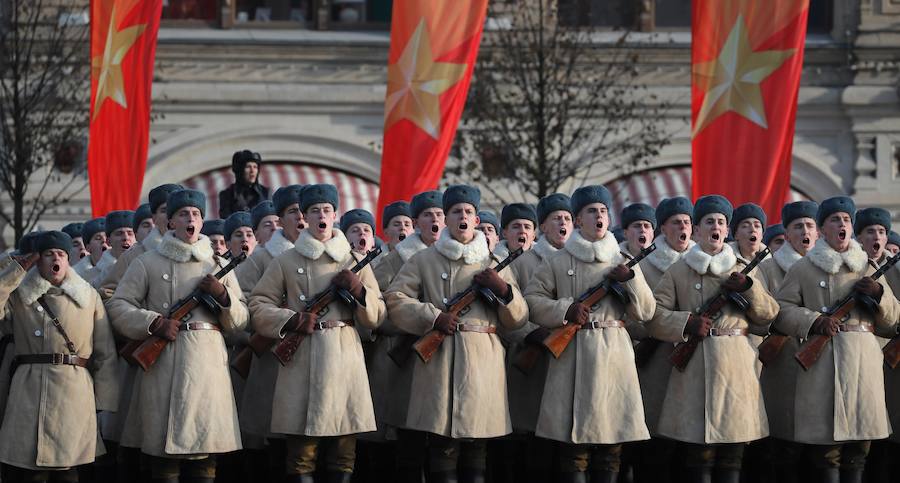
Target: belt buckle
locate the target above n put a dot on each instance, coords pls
(595, 324)
(57, 359)
(188, 326)
(713, 332)
(320, 326)
(459, 326)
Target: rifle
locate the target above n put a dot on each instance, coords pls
(560, 337)
(811, 349)
(712, 308)
(771, 346)
(148, 350)
(285, 349)
(429, 343)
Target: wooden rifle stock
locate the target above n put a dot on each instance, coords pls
(811, 349)
(683, 351)
(429, 343)
(257, 345)
(771, 346)
(561, 337)
(285, 349)
(147, 351)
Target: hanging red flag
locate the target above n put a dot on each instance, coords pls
(434, 45)
(746, 60)
(123, 49)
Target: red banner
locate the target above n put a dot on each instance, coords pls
(747, 57)
(434, 45)
(123, 49)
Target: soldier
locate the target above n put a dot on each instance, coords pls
(639, 222)
(185, 411)
(265, 221)
(461, 393)
(840, 399)
(747, 230)
(78, 249)
(94, 232)
(238, 230)
(59, 324)
(215, 230)
(322, 397)
(246, 192)
(490, 226)
(120, 236)
(396, 223)
(593, 413)
(142, 222)
(265, 450)
(517, 232)
(893, 244)
(773, 237)
(712, 412)
(871, 231)
(358, 226)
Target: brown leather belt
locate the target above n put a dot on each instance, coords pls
(332, 324)
(717, 332)
(603, 324)
(54, 359)
(864, 327)
(482, 329)
(199, 326)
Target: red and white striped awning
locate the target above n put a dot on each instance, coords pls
(652, 186)
(354, 192)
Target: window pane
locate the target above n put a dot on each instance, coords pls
(673, 13)
(190, 9)
(597, 13)
(820, 16)
(272, 10)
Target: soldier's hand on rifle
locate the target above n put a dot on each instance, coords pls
(490, 279)
(350, 282)
(868, 286)
(620, 273)
(737, 282)
(303, 322)
(165, 328)
(446, 323)
(578, 313)
(826, 325)
(537, 336)
(698, 326)
(214, 287)
(26, 261)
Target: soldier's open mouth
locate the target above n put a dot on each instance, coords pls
(753, 239)
(642, 239)
(599, 225)
(126, 246)
(521, 240)
(362, 242)
(876, 246)
(103, 248)
(682, 237)
(322, 225)
(301, 226)
(842, 235)
(245, 247)
(190, 230)
(463, 226)
(715, 236)
(55, 268)
(84, 254)
(435, 229)
(806, 241)
(562, 231)
(402, 236)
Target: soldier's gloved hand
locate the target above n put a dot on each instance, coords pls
(698, 326)
(620, 273)
(26, 260)
(578, 313)
(537, 336)
(826, 325)
(446, 323)
(868, 286)
(737, 282)
(490, 279)
(165, 328)
(303, 322)
(350, 282)
(214, 287)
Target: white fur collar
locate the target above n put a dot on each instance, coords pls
(476, 251)
(278, 244)
(410, 246)
(604, 250)
(737, 251)
(826, 258)
(543, 248)
(34, 285)
(501, 250)
(664, 256)
(717, 264)
(337, 247)
(786, 256)
(179, 251)
(153, 240)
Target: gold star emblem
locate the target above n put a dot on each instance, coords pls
(415, 83)
(731, 81)
(110, 83)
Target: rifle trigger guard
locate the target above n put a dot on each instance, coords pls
(488, 296)
(346, 297)
(209, 303)
(616, 289)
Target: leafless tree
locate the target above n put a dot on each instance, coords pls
(551, 104)
(44, 94)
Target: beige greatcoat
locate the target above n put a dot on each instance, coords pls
(717, 399)
(183, 405)
(324, 390)
(461, 392)
(591, 394)
(840, 398)
(50, 420)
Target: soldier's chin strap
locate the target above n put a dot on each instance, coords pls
(69, 345)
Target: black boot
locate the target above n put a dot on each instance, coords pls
(470, 475)
(604, 476)
(698, 475)
(851, 475)
(442, 477)
(830, 475)
(576, 477)
(727, 475)
(304, 478)
(338, 477)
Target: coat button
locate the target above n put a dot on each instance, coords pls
(698, 286)
(824, 309)
(823, 284)
(165, 305)
(445, 276)
(300, 271)
(571, 272)
(302, 297)
(37, 333)
(445, 300)
(165, 276)
(40, 309)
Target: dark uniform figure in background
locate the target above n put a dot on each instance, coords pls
(246, 192)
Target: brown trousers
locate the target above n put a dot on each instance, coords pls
(302, 452)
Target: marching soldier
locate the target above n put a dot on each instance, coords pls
(246, 192)
(517, 232)
(396, 223)
(214, 230)
(185, 412)
(461, 394)
(239, 234)
(322, 397)
(638, 222)
(592, 401)
(265, 221)
(78, 248)
(490, 226)
(94, 234)
(747, 230)
(59, 324)
(358, 226)
(893, 243)
(142, 222)
(839, 400)
(120, 237)
(774, 237)
(715, 405)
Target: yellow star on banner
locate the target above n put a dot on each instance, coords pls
(110, 83)
(415, 83)
(731, 81)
